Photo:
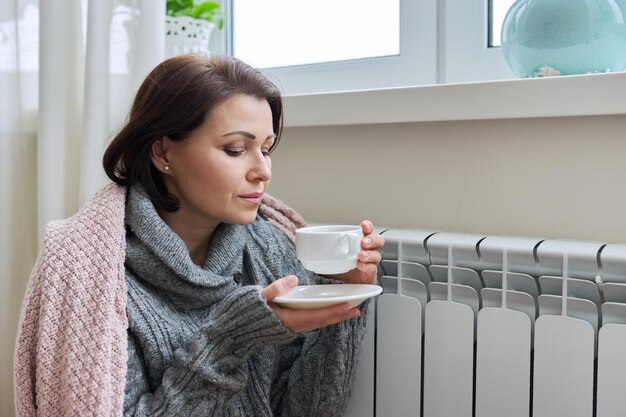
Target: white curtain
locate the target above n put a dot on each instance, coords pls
(68, 72)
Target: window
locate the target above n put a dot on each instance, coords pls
(331, 45)
(497, 11)
(343, 30)
(339, 45)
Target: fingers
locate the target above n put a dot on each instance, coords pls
(299, 321)
(367, 227)
(370, 269)
(369, 256)
(371, 245)
(279, 287)
(371, 240)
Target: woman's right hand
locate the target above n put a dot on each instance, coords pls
(299, 321)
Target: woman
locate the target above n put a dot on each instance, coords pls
(155, 299)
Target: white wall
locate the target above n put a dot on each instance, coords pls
(551, 178)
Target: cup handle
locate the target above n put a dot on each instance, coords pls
(351, 247)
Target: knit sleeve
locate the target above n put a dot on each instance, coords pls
(212, 370)
(316, 371)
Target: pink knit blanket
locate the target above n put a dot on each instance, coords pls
(71, 351)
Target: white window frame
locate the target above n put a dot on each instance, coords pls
(415, 65)
(572, 95)
(479, 84)
(466, 55)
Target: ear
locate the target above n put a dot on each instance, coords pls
(158, 155)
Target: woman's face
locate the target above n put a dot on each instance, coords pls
(221, 171)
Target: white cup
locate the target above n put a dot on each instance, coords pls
(328, 249)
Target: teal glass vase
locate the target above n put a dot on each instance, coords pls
(564, 37)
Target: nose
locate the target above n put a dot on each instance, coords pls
(261, 168)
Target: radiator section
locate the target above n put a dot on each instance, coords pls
(491, 326)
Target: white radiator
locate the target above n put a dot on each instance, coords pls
(454, 336)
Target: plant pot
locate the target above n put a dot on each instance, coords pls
(184, 35)
(563, 37)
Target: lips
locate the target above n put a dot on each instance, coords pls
(253, 198)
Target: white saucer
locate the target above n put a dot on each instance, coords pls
(318, 296)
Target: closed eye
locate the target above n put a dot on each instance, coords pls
(234, 152)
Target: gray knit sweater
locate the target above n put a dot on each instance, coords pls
(203, 342)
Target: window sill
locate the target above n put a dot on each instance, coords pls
(578, 95)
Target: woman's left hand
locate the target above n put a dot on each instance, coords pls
(368, 258)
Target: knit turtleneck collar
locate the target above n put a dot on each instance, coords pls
(157, 255)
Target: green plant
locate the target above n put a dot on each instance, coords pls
(208, 10)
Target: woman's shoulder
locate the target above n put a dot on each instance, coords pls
(281, 216)
(265, 232)
(266, 240)
(98, 228)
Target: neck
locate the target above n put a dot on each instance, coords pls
(196, 238)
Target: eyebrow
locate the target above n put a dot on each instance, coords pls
(246, 134)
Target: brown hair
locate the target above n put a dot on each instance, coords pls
(173, 100)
